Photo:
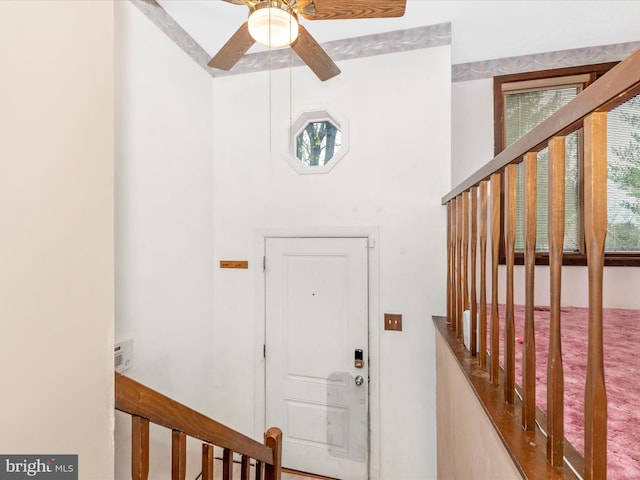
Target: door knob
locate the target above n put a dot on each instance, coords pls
(359, 380)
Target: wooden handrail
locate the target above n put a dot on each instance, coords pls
(146, 405)
(616, 87)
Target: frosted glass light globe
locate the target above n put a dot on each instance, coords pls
(273, 27)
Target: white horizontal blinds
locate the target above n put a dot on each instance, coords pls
(524, 110)
(623, 141)
(572, 224)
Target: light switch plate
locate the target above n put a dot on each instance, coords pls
(393, 321)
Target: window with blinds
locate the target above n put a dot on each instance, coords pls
(522, 102)
(623, 186)
(527, 104)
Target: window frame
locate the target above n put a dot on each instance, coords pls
(314, 115)
(594, 72)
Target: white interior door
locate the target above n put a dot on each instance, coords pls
(316, 320)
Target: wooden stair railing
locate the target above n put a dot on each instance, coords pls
(148, 406)
(589, 112)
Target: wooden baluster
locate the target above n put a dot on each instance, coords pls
(465, 251)
(454, 264)
(456, 267)
(259, 470)
(483, 273)
(139, 448)
(245, 468)
(227, 464)
(449, 262)
(178, 455)
(595, 230)
(530, 231)
(460, 293)
(555, 374)
(509, 242)
(494, 371)
(474, 301)
(207, 461)
(273, 440)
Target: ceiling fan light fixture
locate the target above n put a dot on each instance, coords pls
(273, 25)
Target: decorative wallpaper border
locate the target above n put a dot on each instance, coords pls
(542, 61)
(365, 46)
(161, 19)
(357, 47)
(391, 42)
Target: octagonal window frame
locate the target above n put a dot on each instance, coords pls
(298, 126)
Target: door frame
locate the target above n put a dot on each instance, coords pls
(371, 233)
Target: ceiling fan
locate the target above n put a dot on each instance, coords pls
(274, 23)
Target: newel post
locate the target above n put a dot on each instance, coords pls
(273, 440)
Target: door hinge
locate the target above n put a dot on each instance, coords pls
(264, 350)
(264, 263)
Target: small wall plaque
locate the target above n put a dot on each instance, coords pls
(234, 264)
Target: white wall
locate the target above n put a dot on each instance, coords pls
(619, 286)
(471, 127)
(469, 446)
(397, 108)
(164, 222)
(496, 29)
(56, 245)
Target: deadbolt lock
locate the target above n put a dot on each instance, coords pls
(358, 358)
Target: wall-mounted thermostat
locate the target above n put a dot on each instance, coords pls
(123, 355)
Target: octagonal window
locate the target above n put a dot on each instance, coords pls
(317, 142)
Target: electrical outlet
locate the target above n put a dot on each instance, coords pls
(393, 321)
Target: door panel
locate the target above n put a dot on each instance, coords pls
(316, 317)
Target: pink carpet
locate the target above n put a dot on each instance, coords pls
(622, 371)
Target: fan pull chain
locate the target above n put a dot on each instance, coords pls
(290, 86)
(270, 87)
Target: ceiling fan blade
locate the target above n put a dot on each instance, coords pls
(314, 56)
(339, 9)
(235, 48)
